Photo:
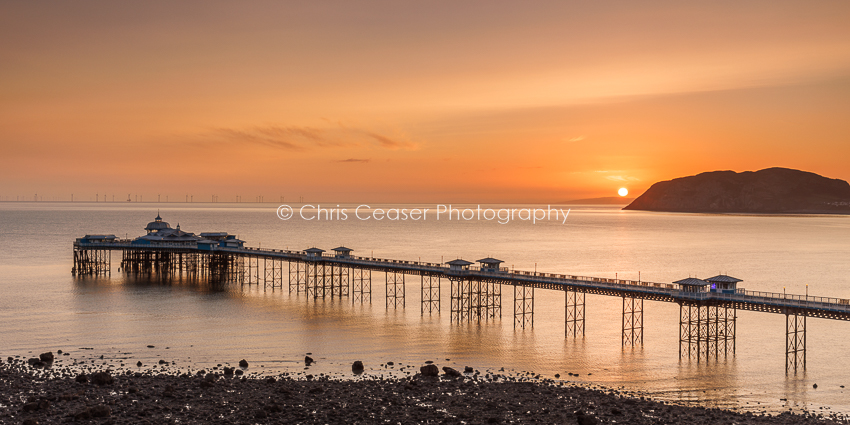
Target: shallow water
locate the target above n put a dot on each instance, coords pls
(42, 307)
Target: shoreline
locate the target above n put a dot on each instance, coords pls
(47, 393)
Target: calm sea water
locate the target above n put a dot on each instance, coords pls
(42, 307)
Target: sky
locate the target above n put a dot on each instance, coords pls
(438, 101)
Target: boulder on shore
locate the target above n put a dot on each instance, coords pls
(429, 370)
(102, 378)
(451, 372)
(357, 367)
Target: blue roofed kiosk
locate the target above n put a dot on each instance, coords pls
(723, 284)
(459, 264)
(693, 284)
(490, 264)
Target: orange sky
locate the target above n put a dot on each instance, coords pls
(393, 101)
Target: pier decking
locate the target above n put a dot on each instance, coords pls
(707, 322)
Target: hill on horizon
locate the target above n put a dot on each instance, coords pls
(772, 191)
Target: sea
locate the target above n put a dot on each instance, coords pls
(193, 325)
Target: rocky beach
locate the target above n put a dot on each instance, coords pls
(41, 390)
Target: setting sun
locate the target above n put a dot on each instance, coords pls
(623, 191)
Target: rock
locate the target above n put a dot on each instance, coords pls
(390, 364)
(243, 363)
(228, 371)
(58, 351)
(815, 386)
(239, 372)
(102, 378)
(82, 378)
(357, 367)
(29, 421)
(584, 419)
(151, 346)
(429, 370)
(10, 359)
(31, 406)
(308, 360)
(100, 411)
(772, 190)
(139, 363)
(468, 369)
(557, 375)
(33, 361)
(46, 357)
(83, 414)
(451, 372)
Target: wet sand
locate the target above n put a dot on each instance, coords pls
(39, 393)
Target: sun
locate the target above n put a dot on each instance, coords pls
(623, 191)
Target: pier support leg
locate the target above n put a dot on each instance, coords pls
(523, 306)
(691, 331)
(317, 280)
(722, 321)
(339, 280)
(494, 300)
(395, 289)
(706, 330)
(252, 270)
(485, 300)
(430, 291)
(297, 276)
(92, 262)
(795, 341)
(234, 268)
(477, 299)
(361, 282)
(273, 276)
(574, 314)
(632, 321)
(461, 293)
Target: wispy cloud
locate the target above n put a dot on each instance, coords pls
(356, 160)
(296, 138)
(388, 143)
(622, 178)
(575, 139)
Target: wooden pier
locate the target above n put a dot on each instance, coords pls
(707, 313)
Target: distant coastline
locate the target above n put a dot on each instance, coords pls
(608, 200)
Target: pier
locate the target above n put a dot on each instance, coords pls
(707, 307)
